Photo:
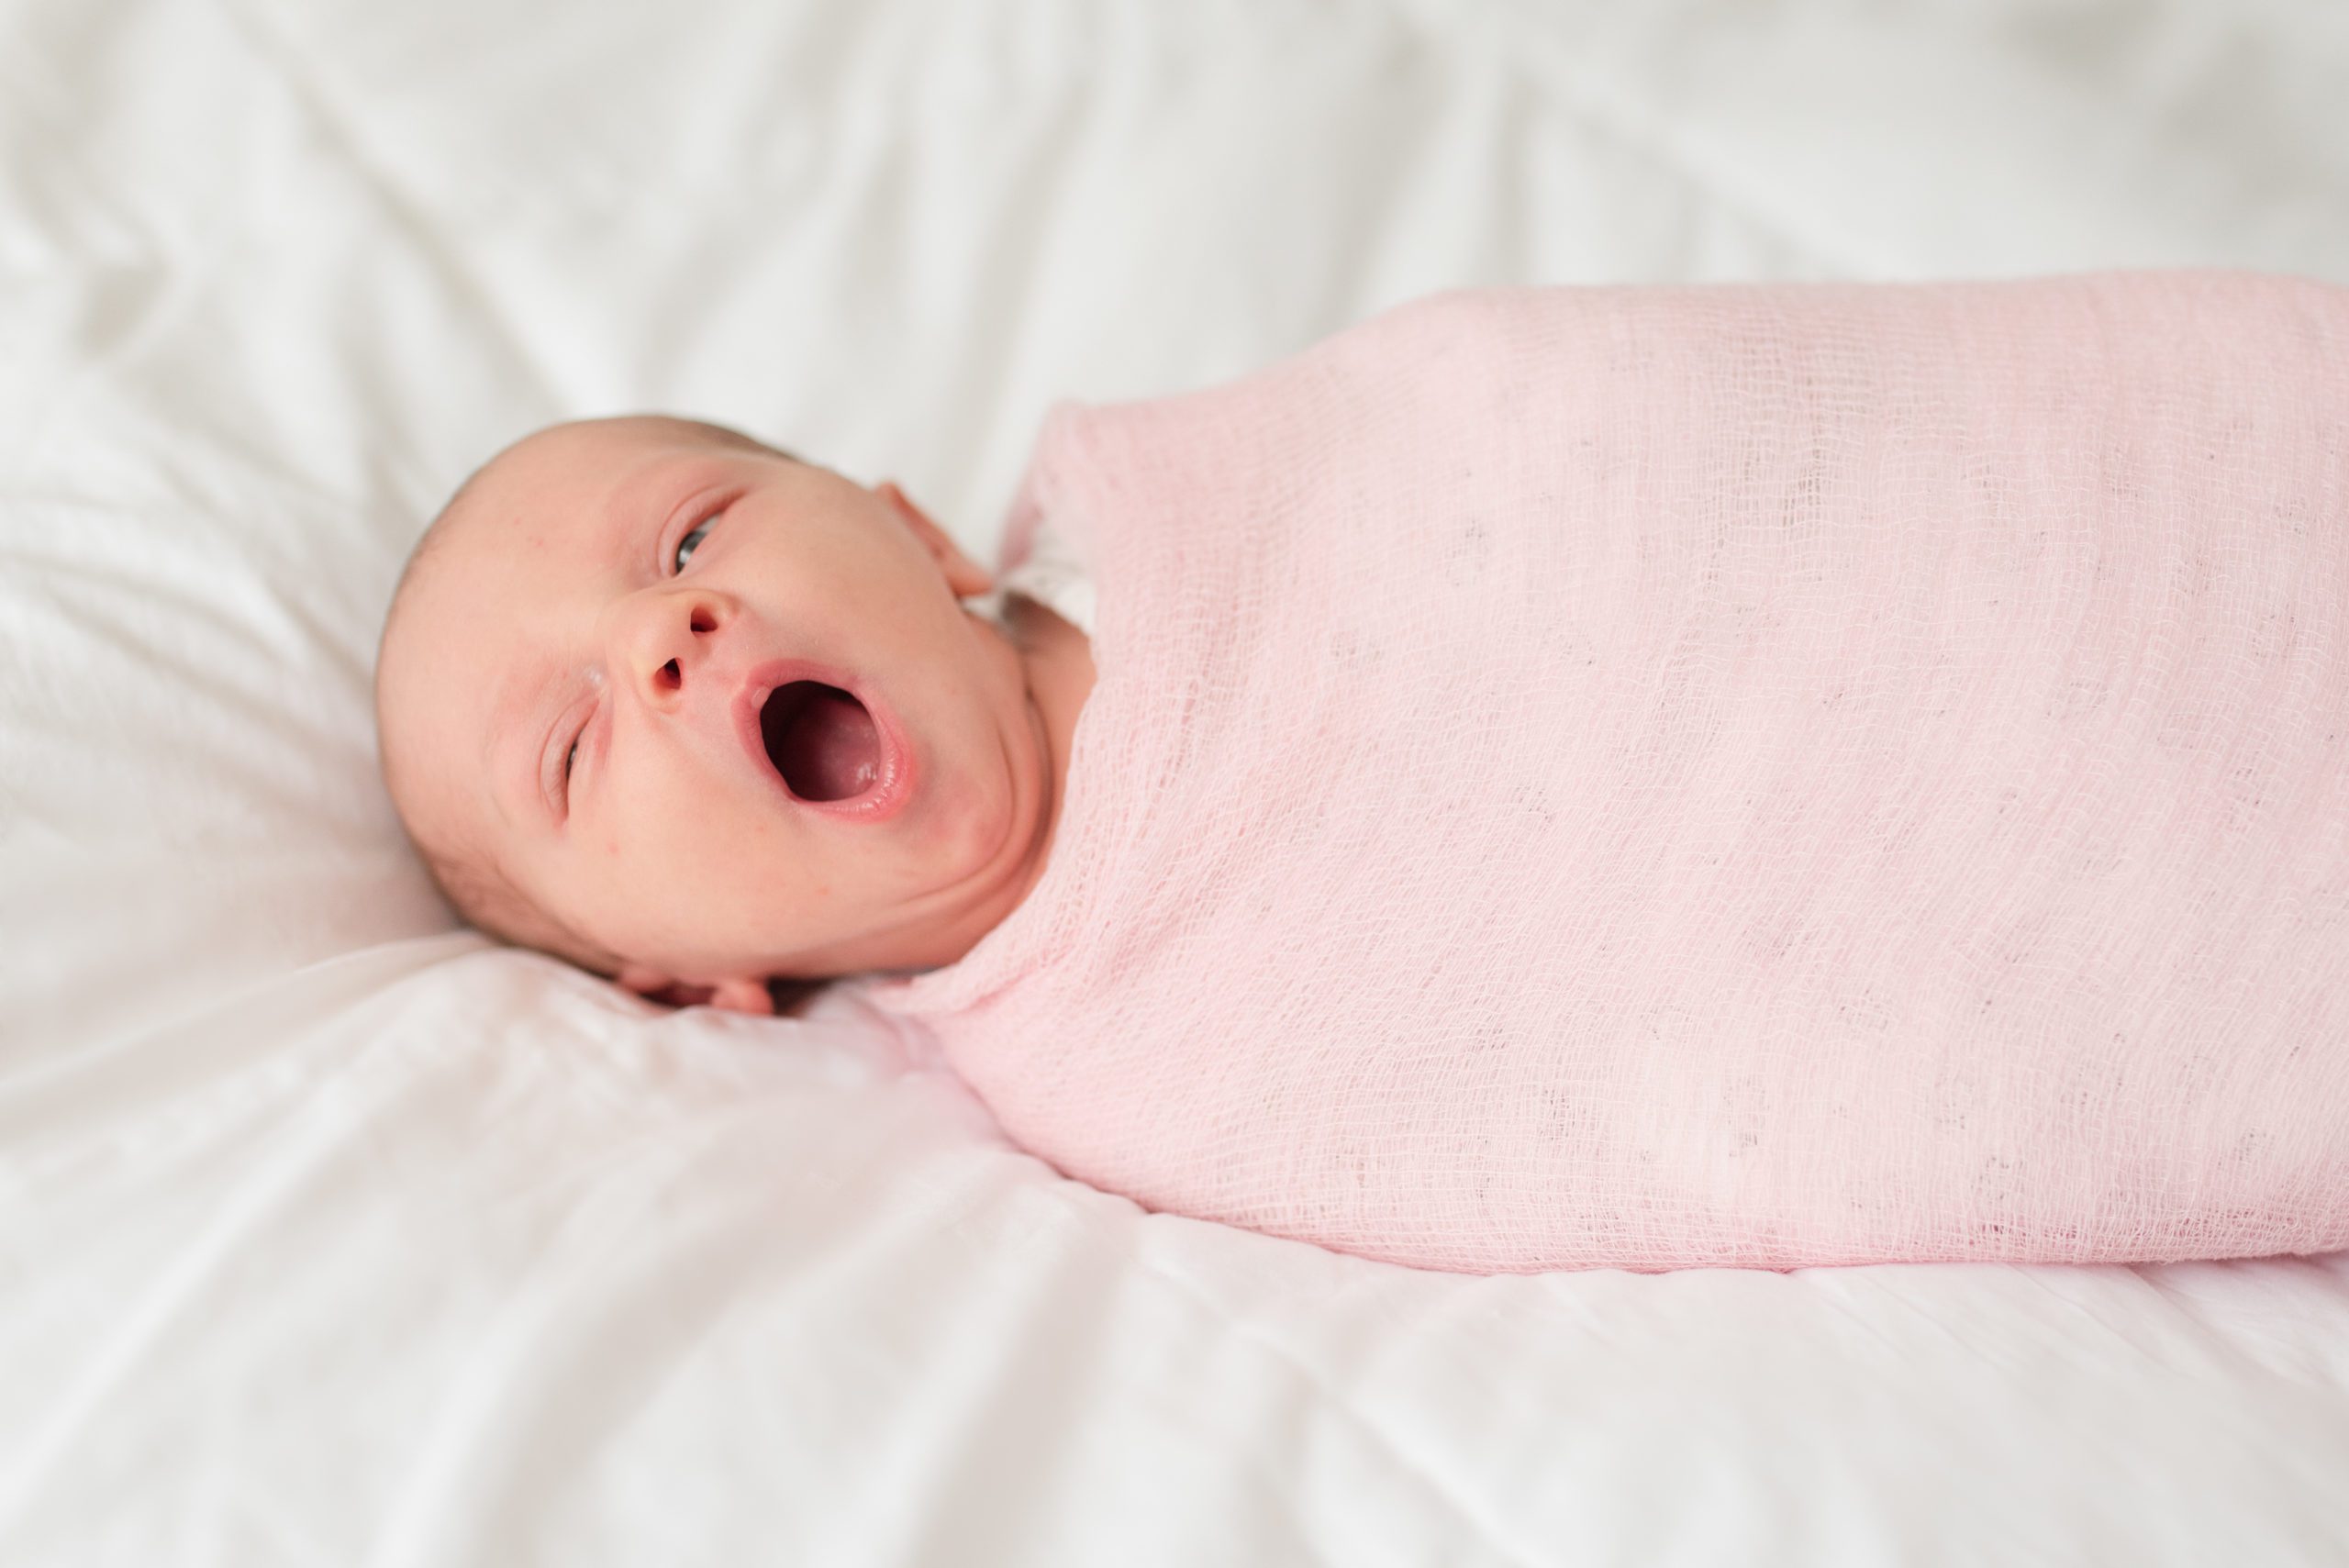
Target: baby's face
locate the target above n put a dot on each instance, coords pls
(614, 682)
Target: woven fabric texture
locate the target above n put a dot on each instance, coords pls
(1766, 775)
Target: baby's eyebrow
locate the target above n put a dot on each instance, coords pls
(519, 709)
(642, 496)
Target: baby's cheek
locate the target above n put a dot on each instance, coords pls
(597, 871)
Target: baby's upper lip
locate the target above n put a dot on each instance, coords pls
(757, 684)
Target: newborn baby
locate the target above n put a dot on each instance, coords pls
(696, 715)
(1769, 775)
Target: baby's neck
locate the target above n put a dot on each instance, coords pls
(1059, 658)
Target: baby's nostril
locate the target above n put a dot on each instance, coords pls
(703, 621)
(670, 676)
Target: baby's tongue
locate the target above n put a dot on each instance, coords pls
(829, 750)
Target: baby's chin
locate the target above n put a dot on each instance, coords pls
(802, 956)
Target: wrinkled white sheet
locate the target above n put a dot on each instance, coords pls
(330, 1235)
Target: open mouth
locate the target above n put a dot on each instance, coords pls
(821, 741)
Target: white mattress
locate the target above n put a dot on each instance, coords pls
(332, 1235)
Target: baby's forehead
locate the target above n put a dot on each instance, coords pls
(576, 483)
(575, 462)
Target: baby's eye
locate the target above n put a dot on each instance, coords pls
(687, 545)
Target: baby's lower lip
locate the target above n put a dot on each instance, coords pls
(889, 791)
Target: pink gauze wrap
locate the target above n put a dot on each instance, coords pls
(1766, 775)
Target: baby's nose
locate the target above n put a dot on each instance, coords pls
(665, 640)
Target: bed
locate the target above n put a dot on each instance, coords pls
(333, 1233)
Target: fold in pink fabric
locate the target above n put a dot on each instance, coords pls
(1761, 775)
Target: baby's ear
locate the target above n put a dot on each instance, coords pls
(734, 995)
(963, 575)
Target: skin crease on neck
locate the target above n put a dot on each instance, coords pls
(550, 613)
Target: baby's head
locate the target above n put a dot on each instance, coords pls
(693, 714)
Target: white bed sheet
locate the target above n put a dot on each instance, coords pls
(331, 1234)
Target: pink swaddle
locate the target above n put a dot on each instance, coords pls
(1768, 775)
